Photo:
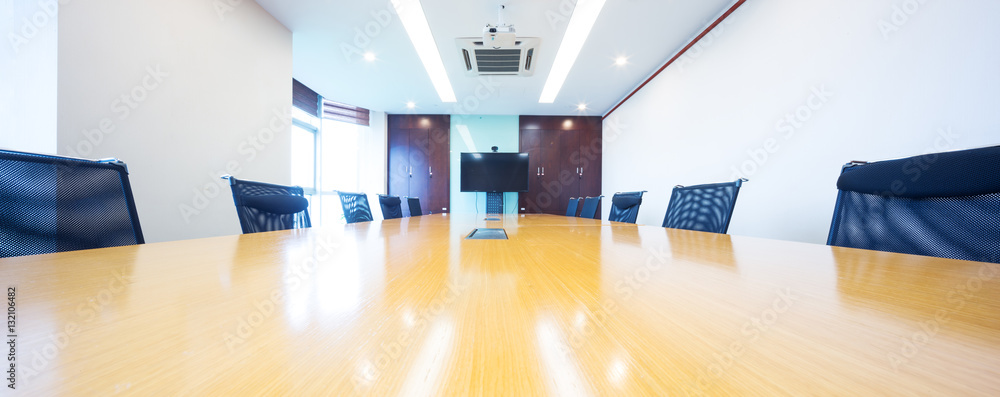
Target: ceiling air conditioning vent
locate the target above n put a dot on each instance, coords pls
(515, 60)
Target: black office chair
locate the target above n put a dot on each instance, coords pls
(940, 204)
(266, 207)
(625, 206)
(356, 207)
(414, 204)
(391, 208)
(589, 209)
(574, 203)
(703, 208)
(54, 204)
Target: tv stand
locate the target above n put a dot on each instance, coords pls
(494, 202)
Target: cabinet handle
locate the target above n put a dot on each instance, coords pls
(581, 172)
(543, 171)
(538, 171)
(410, 171)
(429, 171)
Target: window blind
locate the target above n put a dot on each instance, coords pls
(305, 98)
(346, 113)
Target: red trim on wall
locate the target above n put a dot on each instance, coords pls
(678, 55)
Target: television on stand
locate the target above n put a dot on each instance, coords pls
(494, 173)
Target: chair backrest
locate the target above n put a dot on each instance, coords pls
(53, 204)
(391, 206)
(939, 204)
(574, 203)
(266, 207)
(590, 205)
(356, 207)
(414, 204)
(704, 208)
(625, 206)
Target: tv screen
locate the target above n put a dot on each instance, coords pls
(494, 172)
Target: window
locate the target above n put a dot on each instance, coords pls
(305, 135)
(338, 169)
(338, 152)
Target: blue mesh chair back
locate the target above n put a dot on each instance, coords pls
(590, 205)
(574, 204)
(414, 204)
(266, 207)
(703, 208)
(356, 207)
(391, 206)
(55, 204)
(625, 206)
(939, 204)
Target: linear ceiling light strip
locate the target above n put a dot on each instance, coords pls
(415, 22)
(580, 24)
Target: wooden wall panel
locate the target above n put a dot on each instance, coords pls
(568, 149)
(419, 164)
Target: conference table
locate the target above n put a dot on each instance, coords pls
(563, 306)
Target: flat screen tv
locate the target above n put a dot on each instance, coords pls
(494, 172)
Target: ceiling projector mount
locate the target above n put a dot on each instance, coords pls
(501, 35)
(498, 51)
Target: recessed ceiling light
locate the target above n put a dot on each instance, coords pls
(621, 61)
(582, 106)
(415, 23)
(410, 105)
(584, 16)
(369, 56)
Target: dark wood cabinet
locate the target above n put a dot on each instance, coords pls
(564, 155)
(419, 164)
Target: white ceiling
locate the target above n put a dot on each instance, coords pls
(648, 32)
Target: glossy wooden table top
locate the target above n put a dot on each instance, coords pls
(567, 306)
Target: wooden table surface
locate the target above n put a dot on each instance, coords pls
(566, 306)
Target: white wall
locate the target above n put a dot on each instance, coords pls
(28, 75)
(861, 79)
(373, 161)
(185, 90)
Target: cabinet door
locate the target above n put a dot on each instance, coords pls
(569, 166)
(438, 170)
(531, 143)
(418, 159)
(552, 189)
(591, 148)
(399, 164)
